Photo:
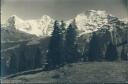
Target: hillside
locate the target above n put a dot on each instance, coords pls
(80, 73)
(99, 37)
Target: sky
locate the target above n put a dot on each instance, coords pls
(60, 9)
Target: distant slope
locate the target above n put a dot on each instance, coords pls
(81, 73)
(12, 35)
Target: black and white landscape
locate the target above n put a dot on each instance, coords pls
(93, 46)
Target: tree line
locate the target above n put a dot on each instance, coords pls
(63, 47)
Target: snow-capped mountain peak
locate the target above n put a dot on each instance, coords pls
(14, 17)
(38, 27)
(96, 12)
(46, 18)
(12, 20)
(91, 20)
(86, 22)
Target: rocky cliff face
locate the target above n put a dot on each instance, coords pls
(97, 30)
(99, 41)
(115, 32)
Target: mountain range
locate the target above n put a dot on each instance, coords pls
(24, 40)
(86, 22)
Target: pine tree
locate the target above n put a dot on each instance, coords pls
(111, 53)
(85, 53)
(63, 25)
(62, 42)
(94, 53)
(71, 46)
(54, 50)
(38, 59)
(4, 70)
(124, 55)
(13, 64)
(22, 63)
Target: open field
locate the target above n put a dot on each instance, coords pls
(98, 72)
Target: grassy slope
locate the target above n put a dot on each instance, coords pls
(82, 72)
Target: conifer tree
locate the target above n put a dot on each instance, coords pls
(38, 59)
(54, 50)
(62, 42)
(13, 64)
(94, 49)
(85, 53)
(21, 59)
(124, 55)
(71, 46)
(111, 53)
